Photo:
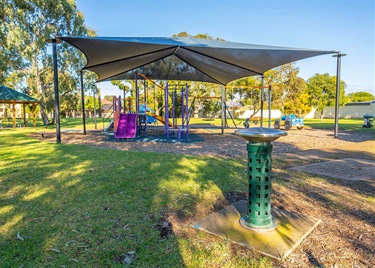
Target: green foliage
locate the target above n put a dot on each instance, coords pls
(289, 92)
(90, 105)
(25, 64)
(361, 96)
(124, 86)
(247, 89)
(108, 97)
(199, 36)
(322, 91)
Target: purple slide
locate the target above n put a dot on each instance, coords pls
(127, 124)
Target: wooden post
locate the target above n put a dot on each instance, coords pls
(34, 115)
(261, 102)
(222, 109)
(14, 114)
(24, 114)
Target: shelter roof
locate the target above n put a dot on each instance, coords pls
(8, 95)
(360, 103)
(182, 58)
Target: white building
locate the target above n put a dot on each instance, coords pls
(350, 110)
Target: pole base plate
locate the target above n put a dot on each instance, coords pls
(253, 227)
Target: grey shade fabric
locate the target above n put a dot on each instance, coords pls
(118, 58)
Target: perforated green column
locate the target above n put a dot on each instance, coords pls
(258, 215)
(259, 148)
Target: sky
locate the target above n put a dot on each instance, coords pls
(343, 25)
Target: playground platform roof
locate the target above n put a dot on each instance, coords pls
(182, 58)
(8, 95)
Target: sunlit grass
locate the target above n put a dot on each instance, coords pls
(344, 124)
(74, 205)
(80, 206)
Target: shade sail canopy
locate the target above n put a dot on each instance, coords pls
(182, 58)
(8, 95)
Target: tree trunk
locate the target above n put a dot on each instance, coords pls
(43, 111)
(40, 88)
(44, 115)
(100, 106)
(196, 109)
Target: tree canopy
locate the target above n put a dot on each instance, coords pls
(322, 91)
(25, 60)
(361, 96)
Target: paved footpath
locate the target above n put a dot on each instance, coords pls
(353, 162)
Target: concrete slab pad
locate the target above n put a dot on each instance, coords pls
(345, 168)
(278, 244)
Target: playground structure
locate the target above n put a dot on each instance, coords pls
(146, 115)
(128, 123)
(262, 97)
(289, 121)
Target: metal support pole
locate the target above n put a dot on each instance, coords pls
(187, 110)
(225, 107)
(261, 102)
(182, 108)
(154, 98)
(100, 102)
(337, 104)
(145, 103)
(222, 109)
(174, 95)
(269, 105)
(56, 87)
(83, 105)
(137, 103)
(124, 100)
(94, 108)
(166, 112)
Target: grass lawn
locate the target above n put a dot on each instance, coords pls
(327, 123)
(79, 206)
(66, 205)
(344, 124)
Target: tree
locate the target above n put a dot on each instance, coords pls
(360, 96)
(90, 105)
(202, 89)
(322, 91)
(124, 86)
(27, 24)
(199, 35)
(289, 92)
(108, 98)
(248, 91)
(11, 41)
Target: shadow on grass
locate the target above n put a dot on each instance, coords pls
(82, 206)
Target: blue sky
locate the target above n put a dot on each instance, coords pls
(344, 25)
